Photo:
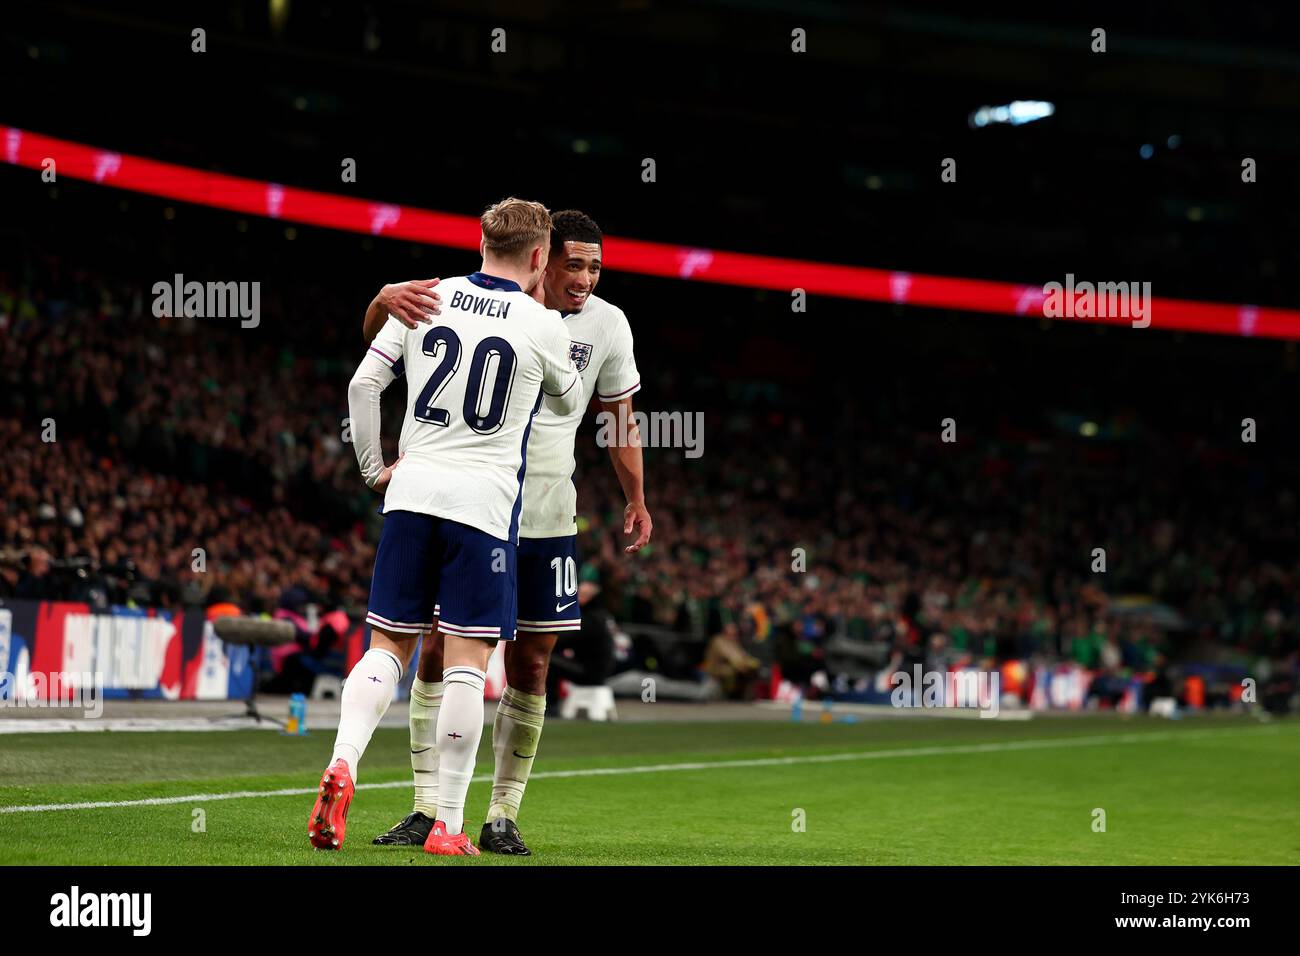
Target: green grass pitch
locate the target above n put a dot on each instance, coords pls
(900, 791)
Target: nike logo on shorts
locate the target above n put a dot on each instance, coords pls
(559, 608)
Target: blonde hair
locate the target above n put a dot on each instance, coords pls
(513, 226)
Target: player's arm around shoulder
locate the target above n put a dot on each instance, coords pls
(561, 383)
(412, 303)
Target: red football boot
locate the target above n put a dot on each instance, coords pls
(329, 818)
(444, 844)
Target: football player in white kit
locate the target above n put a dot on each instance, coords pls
(601, 348)
(451, 502)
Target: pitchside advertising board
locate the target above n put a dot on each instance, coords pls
(60, 647)
(52, 648)
(136, 652)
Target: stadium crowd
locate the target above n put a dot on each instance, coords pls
(766, 551)
(82, 525)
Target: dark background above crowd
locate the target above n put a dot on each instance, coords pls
(833, 154)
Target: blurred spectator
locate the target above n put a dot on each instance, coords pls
(728, 663)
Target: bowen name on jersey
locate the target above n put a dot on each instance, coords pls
(480, 304)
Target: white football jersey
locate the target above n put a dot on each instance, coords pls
(474, 381)
(601, 348)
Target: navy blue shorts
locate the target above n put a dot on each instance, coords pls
(548, 604)
(425, 563)
(548, 585)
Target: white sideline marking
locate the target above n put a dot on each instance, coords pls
(1044, 744)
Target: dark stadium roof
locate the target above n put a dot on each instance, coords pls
(833, 154)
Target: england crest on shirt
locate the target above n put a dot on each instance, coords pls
(580, 353)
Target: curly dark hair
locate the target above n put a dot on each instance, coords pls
(569, 225)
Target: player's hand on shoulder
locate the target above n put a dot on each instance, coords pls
(413, 302)
(385, 476)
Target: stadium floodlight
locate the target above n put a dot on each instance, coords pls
(1016, 113)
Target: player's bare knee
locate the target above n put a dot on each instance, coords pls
(527, 661)
(401, 646)
(467, 651)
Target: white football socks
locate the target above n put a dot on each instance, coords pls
(460, 727)
(426, 698)
(366, 695)
(515, 734)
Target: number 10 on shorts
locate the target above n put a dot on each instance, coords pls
(566, 576)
